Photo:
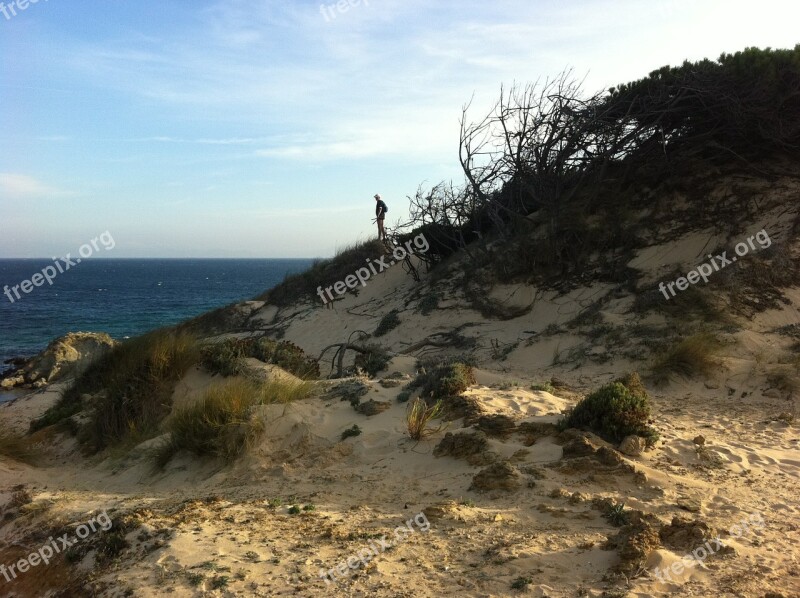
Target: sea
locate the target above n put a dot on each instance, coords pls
(124, 297)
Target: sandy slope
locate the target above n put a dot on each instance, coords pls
(206, 529)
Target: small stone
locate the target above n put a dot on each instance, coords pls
(693, 505)
(699, 440)
(633, 446)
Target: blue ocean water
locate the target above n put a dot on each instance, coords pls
(125, 297)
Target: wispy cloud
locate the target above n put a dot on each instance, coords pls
(19, 186)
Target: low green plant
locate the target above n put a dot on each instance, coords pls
(294, 510)
(617, 515)
(352, 431)
(521, 583)
(419, 416)
(225, 358)
(443, 380)
(613, 412)
(545, 387)
(428, 304)
(404, 396)
(388, 323)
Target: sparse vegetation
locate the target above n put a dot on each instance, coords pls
(221, 423)
(419, 416)
(613, 412)
(131, 387)
(323, 273)
(691, 357)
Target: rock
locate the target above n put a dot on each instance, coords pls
(609, 456)
(772, 393)
(500, 476)
(579, 447)
(462, 445)
(372, 407)
(699, 440)
(635, 542)
(687, 503)
(633, 445)
(684, 535)
(66, 356)
(498, 425)
(389, 382)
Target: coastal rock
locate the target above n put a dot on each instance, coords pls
(66, 356)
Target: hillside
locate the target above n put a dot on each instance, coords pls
(505, 496)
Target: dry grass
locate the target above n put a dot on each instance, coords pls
(222, 424)
(16, 446)
(691, 357)
(419, 416)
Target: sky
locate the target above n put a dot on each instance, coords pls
(263, 128)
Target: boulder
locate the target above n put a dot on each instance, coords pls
(67, 356)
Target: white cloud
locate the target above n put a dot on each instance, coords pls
(17, 186)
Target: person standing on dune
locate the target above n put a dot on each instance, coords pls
(380, 214)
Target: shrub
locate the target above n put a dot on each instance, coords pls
(350, 432)
(225, 358)
(613, 412)
(419, 416)
(136, 378)
(220, 424)
(428, 304)
(690, 357)
(444, 380)
(374, 360)
(388, 323)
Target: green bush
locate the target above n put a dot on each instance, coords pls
(613, 412)
(447, 379)
(225, 358)
(374, 360)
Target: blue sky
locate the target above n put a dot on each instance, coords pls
(239, 128)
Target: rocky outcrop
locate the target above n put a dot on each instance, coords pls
(66, 356)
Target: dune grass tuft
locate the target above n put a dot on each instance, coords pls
(131, 387)
(419, 416)
(691, 357)
(221, 424)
